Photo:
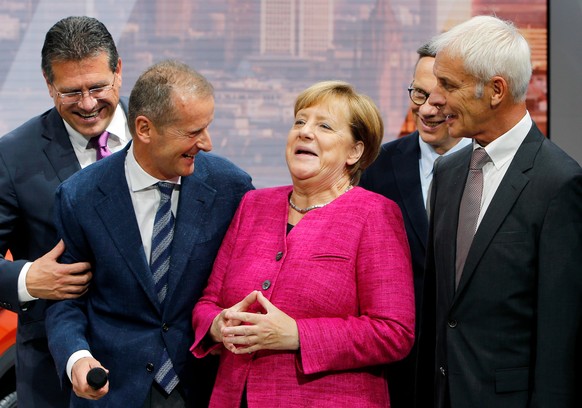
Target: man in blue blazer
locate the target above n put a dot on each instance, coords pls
(105, 215)
(506, 301)
(84, 83)
(403, 173)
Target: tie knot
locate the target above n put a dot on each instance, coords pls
(101, 140)
(479, 158)
(165, 189)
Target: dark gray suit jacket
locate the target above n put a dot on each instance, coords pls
(395, 174)
(511, 334)
(120, 319)
(34, 159)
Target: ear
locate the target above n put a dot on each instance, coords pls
(118, 72)
(355, 153)
(500, 90)
(144, 129)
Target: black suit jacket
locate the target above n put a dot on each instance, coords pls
(511, 334)
(34, 159)
(395, 174)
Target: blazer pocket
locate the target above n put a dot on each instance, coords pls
(512, 379)
(330, 257)
(504, 237)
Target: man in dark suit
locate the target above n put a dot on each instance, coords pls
(82, 70)
(107, 215)
(403, 173)
(507, 329)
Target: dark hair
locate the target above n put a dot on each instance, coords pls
(75, 39)
(152, 93)
(425, 50)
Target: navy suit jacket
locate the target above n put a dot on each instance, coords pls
(510, 335)
(395, 174)
(120, 319)
(34, 159)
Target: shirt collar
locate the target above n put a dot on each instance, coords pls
(117, 129)
(139, 179)
(502, 149)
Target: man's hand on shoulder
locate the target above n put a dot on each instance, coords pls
(48, 279)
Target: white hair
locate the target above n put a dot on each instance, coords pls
(490, 47)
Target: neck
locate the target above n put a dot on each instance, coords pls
(303, 203)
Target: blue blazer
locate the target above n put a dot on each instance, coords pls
(395, 175)
(120, 320)
(34, 159)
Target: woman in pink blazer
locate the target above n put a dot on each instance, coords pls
(311, 291)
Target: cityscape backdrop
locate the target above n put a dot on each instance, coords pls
(260, 54)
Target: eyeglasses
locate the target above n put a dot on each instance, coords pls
(69, 98)
(417, 96)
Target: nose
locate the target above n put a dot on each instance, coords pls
(436, 99)
(204, 142)
(87, 102)
(305, 132)
(426, 109)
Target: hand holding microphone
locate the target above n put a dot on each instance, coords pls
(97, 378)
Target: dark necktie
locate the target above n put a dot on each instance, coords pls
(469, 209)
(160, 266)
(429, 191)
(100, 145)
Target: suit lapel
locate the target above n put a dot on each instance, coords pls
(59, 150)
(505, 197)
(118, 217)
(407, 175)
(194, 206)
(448, 191)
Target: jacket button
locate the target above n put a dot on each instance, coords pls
(266, 284)
(452, 323)
(279, 256)
(165, 327)
(443, 371)
(149, 367)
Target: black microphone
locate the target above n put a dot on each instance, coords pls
(97, 378)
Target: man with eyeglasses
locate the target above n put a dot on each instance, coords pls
(403, 173)
(82, 71)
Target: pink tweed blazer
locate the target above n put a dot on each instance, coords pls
(343, 273)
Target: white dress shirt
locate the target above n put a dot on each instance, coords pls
(502, 151)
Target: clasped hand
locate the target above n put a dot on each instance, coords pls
(245, 332)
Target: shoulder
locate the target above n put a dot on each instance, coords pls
(368, 204)
(217, 167)
(405, 143)
(29, 131)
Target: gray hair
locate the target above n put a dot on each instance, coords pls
(75, 39)
(152, 94)
(488, 47)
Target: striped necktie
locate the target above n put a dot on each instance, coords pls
(160, 265)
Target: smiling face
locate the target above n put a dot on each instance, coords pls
(320, 146)
(429, 121)
(464, 103)
(89, 116)
(169, 151)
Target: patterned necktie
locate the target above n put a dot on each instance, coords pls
(469, 210)
(100, 145)
(160, 265)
